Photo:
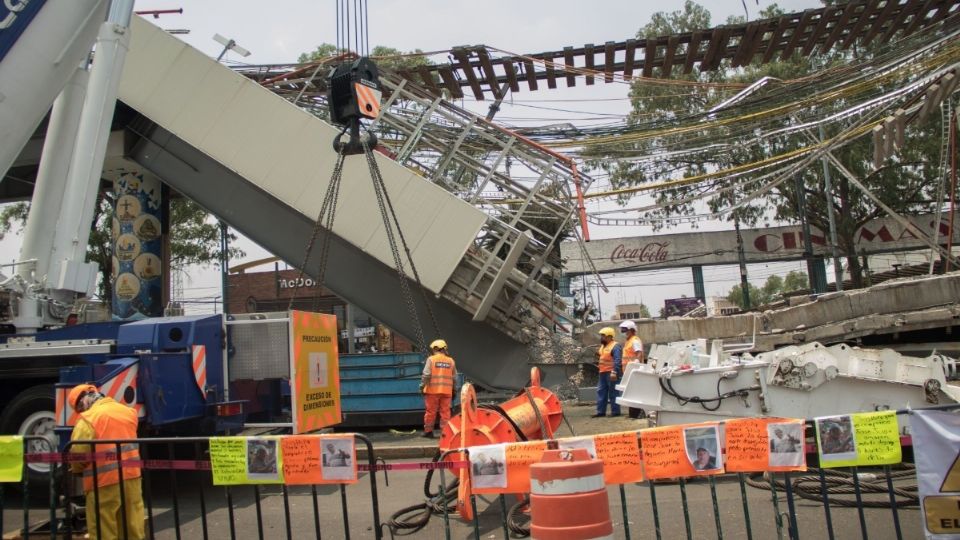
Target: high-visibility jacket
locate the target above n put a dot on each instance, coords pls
(609, 360)
(633, 350)
(438, 374)
(106, 419)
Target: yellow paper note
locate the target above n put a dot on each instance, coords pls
(228, 460)
(11, 458)
(859, 439)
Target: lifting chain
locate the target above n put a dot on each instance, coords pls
(390, 221)
(324, 225)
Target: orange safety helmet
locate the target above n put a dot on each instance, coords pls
(78, 391)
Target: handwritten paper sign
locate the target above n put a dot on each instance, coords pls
(664, 453)
(620, 453)
(228, 460)
(11, 458)
(301, 459)
(514, 476)
(319, 459)
(245, 460)
(859, 439)
(764, 444)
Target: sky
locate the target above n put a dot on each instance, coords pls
(279, 31)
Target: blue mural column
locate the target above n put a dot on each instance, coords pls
(138, 278)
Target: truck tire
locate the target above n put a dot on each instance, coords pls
(32, 413)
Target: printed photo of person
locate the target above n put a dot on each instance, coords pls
(786, 444)
(835, 436)
(703, 448)
(488, 465)
(337, 458)
(587, 443)
(262, 459)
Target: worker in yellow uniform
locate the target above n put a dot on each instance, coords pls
(102, 418)
(611, 368)
(437, 386)
(632, 352)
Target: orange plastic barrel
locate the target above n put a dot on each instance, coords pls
(568, 498)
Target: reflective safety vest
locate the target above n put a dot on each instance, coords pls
(442, 369)
(630, 355)
(606, 357)
(108, 420)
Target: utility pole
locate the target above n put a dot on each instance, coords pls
(744, 284)
(815, 272)
(828, 193)
(224, 263)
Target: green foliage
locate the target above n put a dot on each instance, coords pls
(386, 57)
(906, 182)
(194, 236)
(773, 289)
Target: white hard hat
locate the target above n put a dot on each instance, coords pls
(628, 325)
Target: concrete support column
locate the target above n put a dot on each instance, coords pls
(698, 289)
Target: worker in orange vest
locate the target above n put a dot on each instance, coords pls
(633, 345)
(437, 386)
(632, 352)
(102, 418)
(611, 368)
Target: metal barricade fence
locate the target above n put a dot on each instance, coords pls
(845, 503)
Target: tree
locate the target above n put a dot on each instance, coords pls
(676, 133)
(386, 57)
(774, 288)
(194, 236)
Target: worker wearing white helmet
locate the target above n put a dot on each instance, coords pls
(437, 384)
(633, 346)
(611, 368)
(632, 352)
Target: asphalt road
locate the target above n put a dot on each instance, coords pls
(180, 516)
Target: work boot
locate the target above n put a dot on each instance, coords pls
(598, 415)
(427, 435)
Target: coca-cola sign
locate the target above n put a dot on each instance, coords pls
(651, 252)
(759, 245)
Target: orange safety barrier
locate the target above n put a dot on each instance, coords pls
(568, 497)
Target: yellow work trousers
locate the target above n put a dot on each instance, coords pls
(111, 519)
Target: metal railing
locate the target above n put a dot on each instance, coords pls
(181, 500)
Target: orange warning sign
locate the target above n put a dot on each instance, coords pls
(368, 100)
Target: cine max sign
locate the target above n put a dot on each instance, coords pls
(768, 244)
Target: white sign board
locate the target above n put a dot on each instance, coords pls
(936, 446)
(759, 245)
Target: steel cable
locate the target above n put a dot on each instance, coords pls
(840, 487)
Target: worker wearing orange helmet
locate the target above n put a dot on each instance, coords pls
(102, 418)
(610, 365)
(437, 384)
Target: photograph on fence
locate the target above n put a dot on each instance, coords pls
(488, 466)
(339, 458)
(835, 438)
(587, 443)
(703, 448)
(263, 459)
(786, 444)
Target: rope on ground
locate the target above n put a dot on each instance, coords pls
(840, 487)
